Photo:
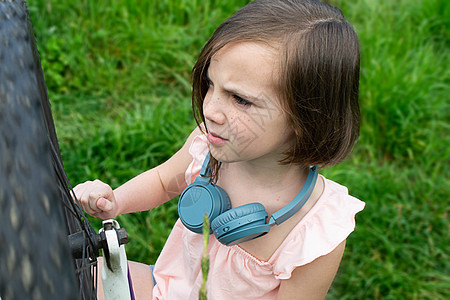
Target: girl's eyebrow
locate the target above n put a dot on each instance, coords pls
(235, 91)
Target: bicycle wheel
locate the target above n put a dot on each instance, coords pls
(36, 210)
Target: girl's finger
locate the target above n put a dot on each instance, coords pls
(104, 204)
(92, 201)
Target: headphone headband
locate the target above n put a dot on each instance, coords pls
(297, 203)
(206, 170)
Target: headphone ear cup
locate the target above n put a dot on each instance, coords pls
(224, 200)
(236, 213)
(240, 224)
(200, 198)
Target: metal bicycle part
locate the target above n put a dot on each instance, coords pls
(116, 285)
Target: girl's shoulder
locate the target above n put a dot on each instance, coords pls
(329, 222)
(198, 149)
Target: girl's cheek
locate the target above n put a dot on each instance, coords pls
(207, 101)
(237, 118)
(207, 96)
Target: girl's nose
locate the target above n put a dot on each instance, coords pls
(213, 108)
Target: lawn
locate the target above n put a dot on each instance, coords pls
(118, 78)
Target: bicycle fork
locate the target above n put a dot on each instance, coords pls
(111, 239)
(115, 275)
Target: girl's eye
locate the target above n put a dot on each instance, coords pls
(241, 101)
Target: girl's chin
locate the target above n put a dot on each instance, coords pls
(222, 154)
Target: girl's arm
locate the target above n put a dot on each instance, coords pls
(312, 280)
(145, 191)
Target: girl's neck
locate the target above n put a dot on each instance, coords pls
(259, 175)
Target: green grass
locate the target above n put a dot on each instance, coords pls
(119, 82)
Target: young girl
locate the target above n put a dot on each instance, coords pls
(275, 92)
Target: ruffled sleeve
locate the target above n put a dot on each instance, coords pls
(198, 149)
(326, 225)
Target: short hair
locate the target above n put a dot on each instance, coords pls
(319, 80)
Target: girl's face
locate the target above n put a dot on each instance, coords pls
(242, 108)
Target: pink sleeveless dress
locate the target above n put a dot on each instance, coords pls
(235, 273)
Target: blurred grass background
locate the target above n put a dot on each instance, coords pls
(118, 78)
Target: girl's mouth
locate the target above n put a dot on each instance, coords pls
(215, 139)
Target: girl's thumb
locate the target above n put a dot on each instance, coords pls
(104, 204)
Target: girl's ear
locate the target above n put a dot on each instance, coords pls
(296, 134)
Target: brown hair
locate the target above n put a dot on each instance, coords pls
(319, 80)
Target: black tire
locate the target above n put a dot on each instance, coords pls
(36, 211)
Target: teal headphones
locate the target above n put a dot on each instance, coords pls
(233, 225)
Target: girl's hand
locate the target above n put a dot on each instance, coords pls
(97, 199)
